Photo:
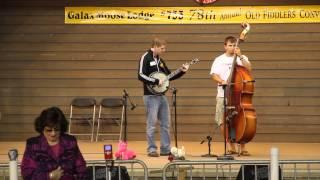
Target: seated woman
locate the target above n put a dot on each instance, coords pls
(53, 154)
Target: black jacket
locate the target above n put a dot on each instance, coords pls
(148, 65)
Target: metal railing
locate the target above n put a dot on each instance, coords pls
(4, 171)
(209, 169)
(143, 170)
(118, 163)
(292, 169)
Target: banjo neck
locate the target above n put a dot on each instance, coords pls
(173, 74)
(160, 89)
(177, 71)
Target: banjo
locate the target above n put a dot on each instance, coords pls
(160, 89)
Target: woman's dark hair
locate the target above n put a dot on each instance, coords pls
(51, 117)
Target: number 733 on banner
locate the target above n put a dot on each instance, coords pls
(193, 14)
(173, 14)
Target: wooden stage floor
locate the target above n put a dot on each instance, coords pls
(194, 150)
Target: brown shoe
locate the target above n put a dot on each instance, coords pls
(230, 152)
(244, 153)
(153, 154)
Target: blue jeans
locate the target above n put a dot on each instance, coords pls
(157, 108)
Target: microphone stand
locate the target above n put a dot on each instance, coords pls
(225, 156)
(174, 103)
(209, 139)
(126, 97)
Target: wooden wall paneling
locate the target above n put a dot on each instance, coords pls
(50, 28)
(113, 73)
(132, 83)
(172, 56)
(131, 64)
(180, 47)
(145, 38)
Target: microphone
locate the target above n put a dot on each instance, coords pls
(133, 106)
(125, 92)
(209, 138)
(173, 89)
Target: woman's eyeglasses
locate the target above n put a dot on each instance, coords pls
(49, 130)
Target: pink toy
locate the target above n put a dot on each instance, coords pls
(123, 153)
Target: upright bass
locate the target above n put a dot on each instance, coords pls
(240, 115)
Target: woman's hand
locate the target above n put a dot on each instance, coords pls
(56, 174)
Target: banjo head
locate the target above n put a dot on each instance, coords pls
(159, 89)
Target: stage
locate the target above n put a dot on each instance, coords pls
(194, 150)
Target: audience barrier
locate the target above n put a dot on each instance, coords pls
(242, 169)
(117, 169)
(204, 169)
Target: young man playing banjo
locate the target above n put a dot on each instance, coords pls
(155, 76)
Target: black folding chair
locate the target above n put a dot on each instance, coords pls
(82, 110)
(111, 111)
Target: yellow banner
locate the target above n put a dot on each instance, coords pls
(192, 15)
